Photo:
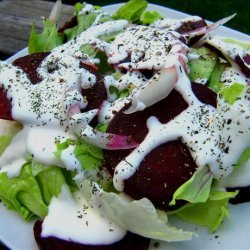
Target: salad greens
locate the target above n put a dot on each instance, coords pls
(149, 17)
(209, 213)
(232, 93)
(47, 40)
(202, 67)
(141, 217)
(23, 194)
(31, 192)
(131, 11)
(196, 189)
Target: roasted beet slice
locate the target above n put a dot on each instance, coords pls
(29, 65)
(242, 196)
(191, 25)
(168, 166)
(94, 95)
(241, 62)
(129, 242)
(97, 94)
(5, 106)
(69, 24)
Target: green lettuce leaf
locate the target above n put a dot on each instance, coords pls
(50, 180)
(149, 17)
(232, 93)
(8, 129)
(23, 194)
(45, 41)
(84, 21)
(137, 216)
(141, 217)
(243, 44)
(215, 79)
(209, 214)
(90, 157)
(202, 67)
(110, 37)
(245, 156)
(131, 11)
(91, 51)
(119, 94)
(196, 189)
(31, 192)
(91, 160)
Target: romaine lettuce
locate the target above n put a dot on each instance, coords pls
(45, 41)
(84, 21)
(196, 189)
(137, 216)
(210, 213)
(149, 17)
(23, 194)
(31, 192)
(202, 67)
(232, 93)
(131, 11)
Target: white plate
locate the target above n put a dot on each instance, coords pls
(234, 233)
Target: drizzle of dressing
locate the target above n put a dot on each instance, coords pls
(148, 48)
(174, 24)
(43, 109)
(233, 75)
(80, 221)
(207, 132)
(45, 106)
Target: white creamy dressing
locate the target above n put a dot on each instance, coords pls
(80, 221)
(233, 75)
(207, 132)
(130, 80)
(174, 24)
(45, 111)
(148, 48)
(46, 104)
(229, 50)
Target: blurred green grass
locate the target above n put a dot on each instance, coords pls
(212, 10)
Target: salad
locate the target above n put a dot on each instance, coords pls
(112, 125)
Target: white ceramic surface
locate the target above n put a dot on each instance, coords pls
(234, 233)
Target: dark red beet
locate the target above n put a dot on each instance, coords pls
(241, 62)
(129, 242)
(5, 106)
(97, 94)
(242, 196)
(94, 95)
(30, 63)
(191, 25)
(168, 166)
(69, 24)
